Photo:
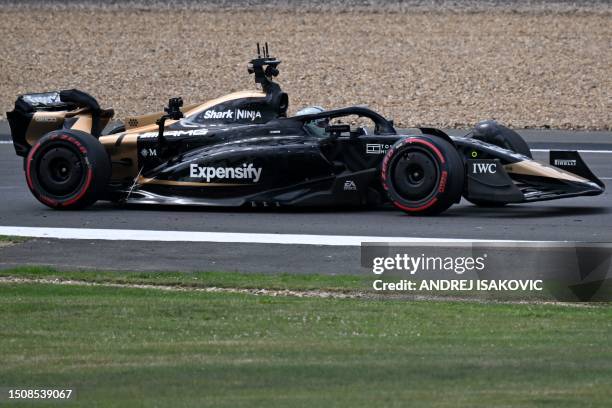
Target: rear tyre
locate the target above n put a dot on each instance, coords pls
(423, 175)
(67, 169)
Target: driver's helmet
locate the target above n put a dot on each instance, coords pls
(317, 126)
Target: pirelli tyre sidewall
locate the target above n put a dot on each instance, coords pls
(423, 175)
(67, 169)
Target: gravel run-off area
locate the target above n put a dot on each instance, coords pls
(442, 68)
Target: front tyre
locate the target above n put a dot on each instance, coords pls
(67, 169)
(423, 175)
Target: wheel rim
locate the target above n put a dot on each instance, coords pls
(416, 174)
(60, 171)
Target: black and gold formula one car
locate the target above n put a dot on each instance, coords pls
(242, 149)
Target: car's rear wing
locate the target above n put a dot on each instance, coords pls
(39, 113)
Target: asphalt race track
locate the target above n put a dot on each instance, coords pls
(577, 219)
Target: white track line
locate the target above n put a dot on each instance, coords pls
(224, 237)
(578, 150)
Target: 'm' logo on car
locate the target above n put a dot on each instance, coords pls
(148, 152)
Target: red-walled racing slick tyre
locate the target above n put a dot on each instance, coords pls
(423, 175)
(67, 169)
